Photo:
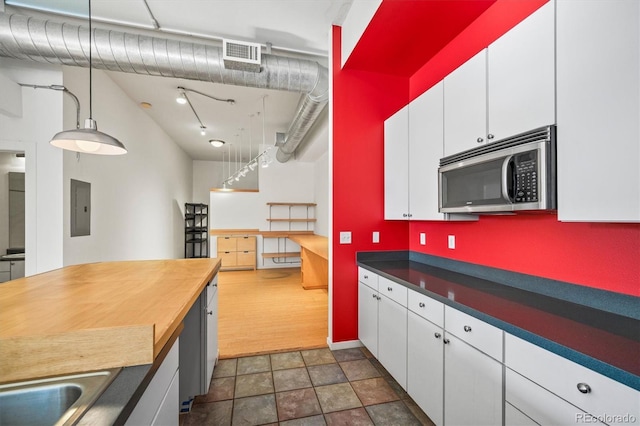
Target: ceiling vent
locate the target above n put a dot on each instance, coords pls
(240, 55)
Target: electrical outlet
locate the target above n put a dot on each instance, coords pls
(376, 237)
(452, 242)
(345, 237)
(423, 238)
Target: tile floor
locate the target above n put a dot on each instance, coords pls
(310, 387)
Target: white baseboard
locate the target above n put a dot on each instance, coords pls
(343, 345)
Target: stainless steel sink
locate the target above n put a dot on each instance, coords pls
(53, 401)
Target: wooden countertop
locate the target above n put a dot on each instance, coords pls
(314, 243)
(95, 316)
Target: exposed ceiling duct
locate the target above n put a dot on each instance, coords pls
(46, 41)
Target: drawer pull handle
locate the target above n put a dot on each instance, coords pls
(445, 341)
(421, 304)
(366, 277)
(467, 329)
(210, 312)
(389, 289)
(374, 296)
(437, 335)
(584, 388)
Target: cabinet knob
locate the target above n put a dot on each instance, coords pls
(480, 140)
(437, 335)
(584, 388)
(421, 304)
(490, 136)
(389, 289)
(467, 329)
(366, 277)
(445, 341)
(378, 297)
(404, 215)
(374, 296)
(410, 215)
(209, 312)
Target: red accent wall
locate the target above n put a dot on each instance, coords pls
(605, 256)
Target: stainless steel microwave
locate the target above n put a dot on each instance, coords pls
(513, 174)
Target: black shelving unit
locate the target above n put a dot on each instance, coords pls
(196, 230)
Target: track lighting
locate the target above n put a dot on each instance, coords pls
(181, 99)
(203, 130)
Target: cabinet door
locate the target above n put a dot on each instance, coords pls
(539, 404)
(246, 244)
(392, 339)
(472, 385)
(396, 174)
(211, 332)
(368, 318)
(426, 147)
(598, 101)
(521, 76)
(169, 410)
(227, 244)
(465, 105)
(425, 366)
(515, 417)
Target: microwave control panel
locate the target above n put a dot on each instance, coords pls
(526, 174)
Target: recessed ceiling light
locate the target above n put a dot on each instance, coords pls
(145, 105)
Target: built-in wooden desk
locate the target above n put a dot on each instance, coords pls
(314, 260)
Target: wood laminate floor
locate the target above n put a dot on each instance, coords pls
(267, 311)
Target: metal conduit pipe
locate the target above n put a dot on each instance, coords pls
(46, 41)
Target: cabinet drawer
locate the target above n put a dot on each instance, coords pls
(226, 244)
(538, 403)
(475, 332)
(368, 278)
(228, 258)
(246, 258)
(428, 308)
(246, 243)
(393, 290)
(5, 266)
(562, 376)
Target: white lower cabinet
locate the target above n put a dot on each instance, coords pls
(472, 385)
(538, 379)
(382, 322)
(515, 417)
(425, 366)
(159, 403)
(392, 335)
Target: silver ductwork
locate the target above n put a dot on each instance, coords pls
(34, 39)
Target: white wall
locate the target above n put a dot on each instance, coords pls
(8, 163)
(41, 118)
(356, 22)
(137, 199)
(321, 179)
(293, 181)
(210, 174)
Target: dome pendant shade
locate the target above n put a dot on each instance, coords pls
(88, 141)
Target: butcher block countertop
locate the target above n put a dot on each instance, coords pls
(315, 243)
(95, 316)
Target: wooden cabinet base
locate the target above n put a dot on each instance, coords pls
(314, 270)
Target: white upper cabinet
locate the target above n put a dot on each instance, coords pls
(465, 105)
(598, 95)
(414, 144)
(396, 172)
(506, 89)
(426, 148)
(521, 76)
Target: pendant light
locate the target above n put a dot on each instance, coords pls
(89, 140)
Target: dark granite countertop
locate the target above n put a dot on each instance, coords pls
(595, 328)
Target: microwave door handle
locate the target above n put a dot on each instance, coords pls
(507, 178)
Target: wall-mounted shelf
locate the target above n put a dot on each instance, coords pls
(291, 219)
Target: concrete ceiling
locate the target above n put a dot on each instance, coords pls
(298, 28)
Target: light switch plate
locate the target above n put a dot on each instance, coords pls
(345, 237)
(452, 242)
(376, 237)
(423, 238)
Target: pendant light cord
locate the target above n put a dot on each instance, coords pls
(90, 70)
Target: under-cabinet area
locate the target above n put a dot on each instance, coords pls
(464, 366)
